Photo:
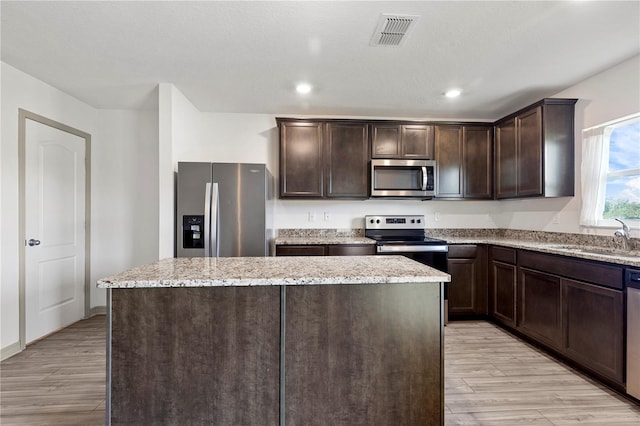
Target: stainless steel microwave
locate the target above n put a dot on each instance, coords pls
(403, 178)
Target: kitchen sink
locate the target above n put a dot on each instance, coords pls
(603, 251)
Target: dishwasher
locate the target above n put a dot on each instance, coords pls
(632, 279)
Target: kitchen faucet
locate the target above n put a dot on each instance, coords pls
(624, 233)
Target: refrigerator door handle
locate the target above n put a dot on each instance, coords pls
(215, 209)
(207, 220)
(211, 203)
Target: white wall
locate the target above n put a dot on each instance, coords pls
(254, 138)
(124, 190)
(611, 94)
(22, 91)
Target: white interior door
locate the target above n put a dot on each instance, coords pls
(54, 229)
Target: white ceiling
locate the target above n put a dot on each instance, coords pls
(245, 56)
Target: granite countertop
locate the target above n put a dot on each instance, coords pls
(572, 245)
(299, 270)
(569, 248)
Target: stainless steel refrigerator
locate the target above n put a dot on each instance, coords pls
(223, 210)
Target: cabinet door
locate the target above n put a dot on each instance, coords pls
(478, 169)
(363, 355)
(594, 328)
(385, 141)
(301, 172)
(529, 139)
(505, 161)
(540, 307)
(347, 160)
(417, 141)
(448, 155)
(504, 293)
(301, 250)
(462, 288)
(211, 358)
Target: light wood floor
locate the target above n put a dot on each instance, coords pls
(492, 378)
(59, 380)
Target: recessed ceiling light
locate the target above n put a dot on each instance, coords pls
(452, 93)
(303, 88)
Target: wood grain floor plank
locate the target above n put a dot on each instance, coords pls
(59, 380)
(525, 386)
(491, 378)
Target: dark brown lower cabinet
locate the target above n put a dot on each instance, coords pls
(540, 307)
(467, 291)
(363, 355)
(300, 250)
(325, 250)
(502, 285)
(187, 356)
(504, 293)
(594, 328)
(576, 308)
(353, 354)
(350, 249)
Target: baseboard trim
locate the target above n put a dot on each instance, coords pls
(97, 310)
(10, 351)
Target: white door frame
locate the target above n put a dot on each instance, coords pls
(23, 116)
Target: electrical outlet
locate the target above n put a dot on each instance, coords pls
(436, 217)
(327, 217)
(312, 216)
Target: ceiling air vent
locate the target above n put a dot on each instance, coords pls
(392, 29)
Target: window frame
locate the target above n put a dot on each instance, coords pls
(608, 129)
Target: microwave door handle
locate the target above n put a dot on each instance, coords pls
(424, 178)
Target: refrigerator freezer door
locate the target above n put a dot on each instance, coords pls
(190, 188)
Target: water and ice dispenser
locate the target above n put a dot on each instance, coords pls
(193, 231)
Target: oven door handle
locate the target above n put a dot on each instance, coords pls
(400, 248)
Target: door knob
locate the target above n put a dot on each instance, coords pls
(33, 242)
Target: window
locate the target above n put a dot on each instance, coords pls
(611, 173)
(622, 193)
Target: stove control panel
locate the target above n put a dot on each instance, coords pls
(394, 222)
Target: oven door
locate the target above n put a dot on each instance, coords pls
(435, 259)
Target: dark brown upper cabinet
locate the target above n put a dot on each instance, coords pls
(391, 140)
(448, 156)
(301, 152)
(477, 149)
(463, 155)
(320, 159)
(347, 160)
(534, 151)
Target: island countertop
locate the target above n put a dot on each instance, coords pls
(264, 271)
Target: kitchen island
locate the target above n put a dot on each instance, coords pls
(276, 340)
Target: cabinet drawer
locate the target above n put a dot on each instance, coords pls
(351, 249)
(504, 254)
(577, 269)
(463, 251)
(300, 250)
